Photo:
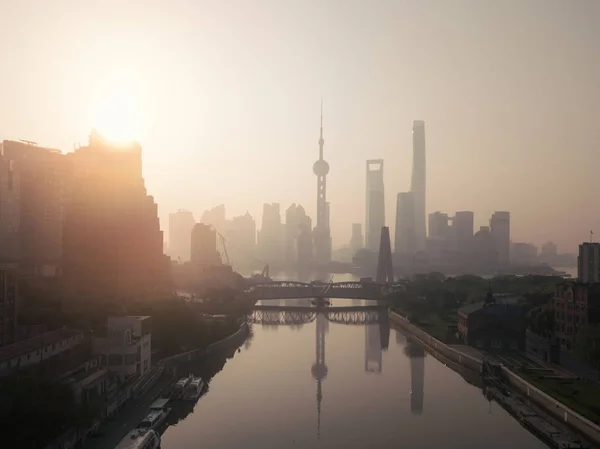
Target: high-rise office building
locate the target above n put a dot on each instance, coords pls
(463, 225)
(419, 183)
(356, 241)
(298, 245)
(322, 232)
(180, 234)
(500, 230)
(405, 236)
(204, 246)
(271, 236)
(8, 303)
(439, 241)
(588, 262)
(32, 199)
(216, 217)
(241, 239)
(113, 245)
(375, 208)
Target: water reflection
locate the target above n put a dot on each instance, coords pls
(416, 354)
(319, 369)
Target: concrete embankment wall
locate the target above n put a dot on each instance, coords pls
(210, 349)
(551, 405)
(434, 344)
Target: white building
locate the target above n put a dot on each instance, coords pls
(588, 262)
(127, 345)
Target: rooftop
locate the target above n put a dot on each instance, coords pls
(32, 344)
(507, 309)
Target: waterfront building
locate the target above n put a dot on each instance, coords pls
(241, 240)
(271, 235)
(356, 241)
(126, 347)
(524, 254)
(576, 304)
(298, 244)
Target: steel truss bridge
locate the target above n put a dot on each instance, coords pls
(295, 316)
(301, 290)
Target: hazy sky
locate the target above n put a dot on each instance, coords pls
(228, 95)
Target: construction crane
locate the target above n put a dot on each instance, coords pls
(224, 242)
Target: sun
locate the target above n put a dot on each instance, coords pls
(116, 111)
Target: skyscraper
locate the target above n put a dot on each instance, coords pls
(180, 234)
(356, 241)
(298, 241)
(418, 183)
(500, 230)
(588, 262)
(322, 233)
(270, 237)
(375, 210)
(405, 238)
(32, 198)
(8, 303)
(204, 246)
(113, 245)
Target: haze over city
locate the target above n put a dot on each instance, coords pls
(224, 98)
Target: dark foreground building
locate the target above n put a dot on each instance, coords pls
(113, 245)
(492, 326)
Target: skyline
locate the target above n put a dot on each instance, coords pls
(538, 112)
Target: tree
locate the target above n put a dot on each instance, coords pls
(587, 344)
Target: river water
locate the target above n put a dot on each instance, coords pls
(364, 386)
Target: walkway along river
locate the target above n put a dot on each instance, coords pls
(331, 385)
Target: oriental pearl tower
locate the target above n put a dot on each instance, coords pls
(321, 232)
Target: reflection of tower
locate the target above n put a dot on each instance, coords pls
(416, 354)
(322, 236)
(319, 369)
(373, 356)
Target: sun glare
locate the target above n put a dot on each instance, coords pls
(116, 112)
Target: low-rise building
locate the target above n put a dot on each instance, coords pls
(40, 349)
(126, 347)
(492, 325)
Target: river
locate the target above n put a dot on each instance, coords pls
(371, 389)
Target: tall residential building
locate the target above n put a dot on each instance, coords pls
(271, 235)
(419, 182)
(405, 236)
(322, 232)
(588, 262)
(204, 246)
(241, 240)
(356, 241)
(375, 209)
(180, 233)
(297, 224)
(113, 245)
(8, 304)
(32, 197)
(500, 230)
(463, 225)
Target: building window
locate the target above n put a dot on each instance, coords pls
(496, 343)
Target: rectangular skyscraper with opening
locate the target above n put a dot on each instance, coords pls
(375, 217)
(418, 183)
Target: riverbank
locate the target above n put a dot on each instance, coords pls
(113, 430)
(550, 405)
